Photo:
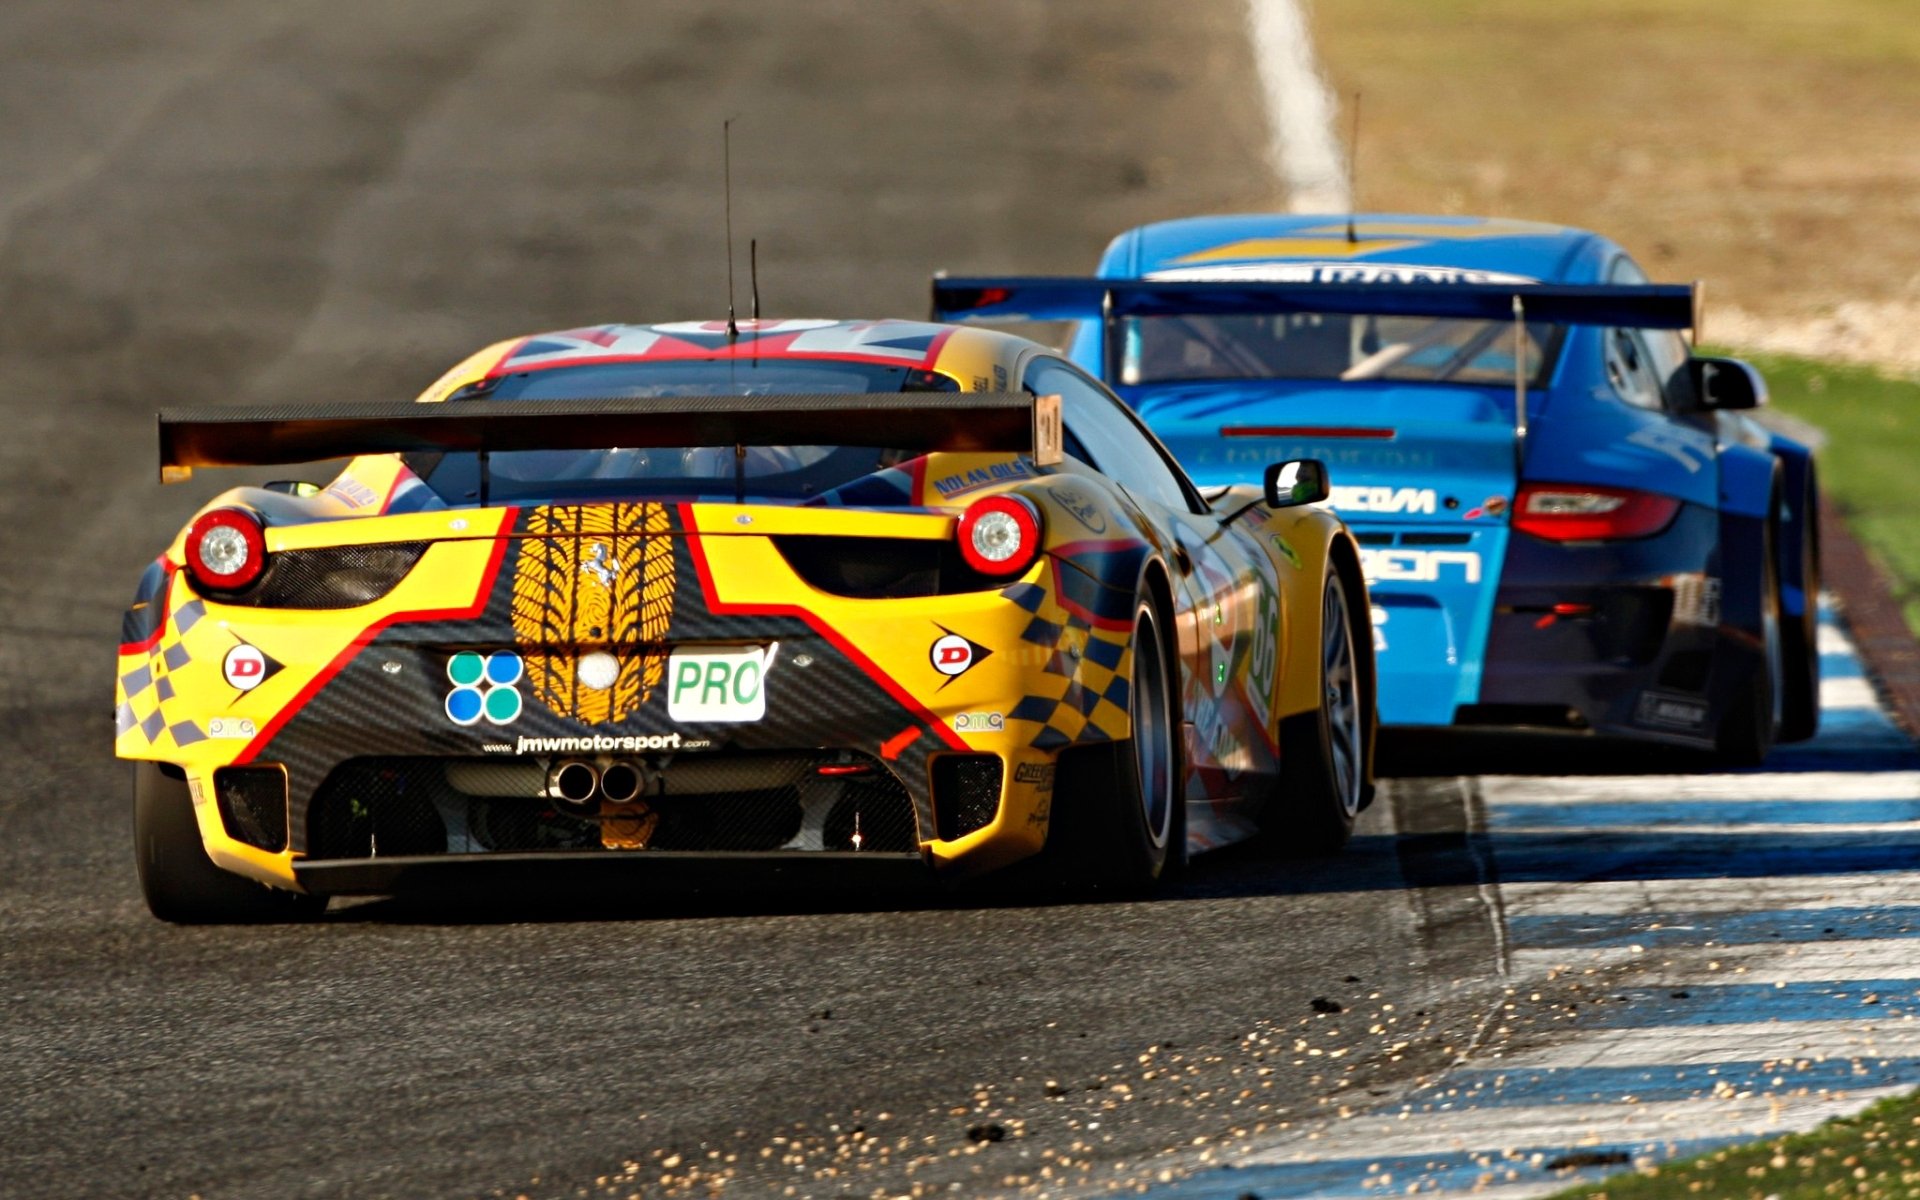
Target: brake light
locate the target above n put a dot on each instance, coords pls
(1000, 535)
(226, 549)
(1582, 512)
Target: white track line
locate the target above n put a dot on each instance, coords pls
(1304, 150)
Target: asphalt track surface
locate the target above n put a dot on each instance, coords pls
(224, 201)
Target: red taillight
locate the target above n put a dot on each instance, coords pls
(1584, 512)
(226, 549)
(1000, 535)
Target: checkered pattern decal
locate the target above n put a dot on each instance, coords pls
(1083, 696)
(146, 679)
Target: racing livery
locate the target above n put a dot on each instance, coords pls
(1568, 520)
(810, 591)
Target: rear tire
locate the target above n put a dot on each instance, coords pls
(1124, 824)
(1323, 753)
(1752, 720)
(1800, 636)
(180, 882)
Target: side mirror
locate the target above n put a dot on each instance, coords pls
(1727, 383)
(1295, 482)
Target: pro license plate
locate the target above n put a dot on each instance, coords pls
(727, 683)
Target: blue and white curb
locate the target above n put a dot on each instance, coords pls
(1771, 921)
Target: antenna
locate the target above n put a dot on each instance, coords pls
(753, 274)
(726, 169)
(1353, 172)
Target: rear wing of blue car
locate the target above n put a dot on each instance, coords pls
(989, 299)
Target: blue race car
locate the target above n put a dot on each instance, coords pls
(1570, 520)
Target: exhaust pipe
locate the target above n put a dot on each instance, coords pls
(623, 781)
(573, 782)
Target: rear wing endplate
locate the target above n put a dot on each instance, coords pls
(276, 435)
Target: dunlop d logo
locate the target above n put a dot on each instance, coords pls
(594, 575)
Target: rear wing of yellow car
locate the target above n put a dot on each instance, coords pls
(276, 435)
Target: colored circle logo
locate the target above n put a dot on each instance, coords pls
(483, 686)
(466, 668)
(464, 705)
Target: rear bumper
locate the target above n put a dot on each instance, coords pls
(1637, 645)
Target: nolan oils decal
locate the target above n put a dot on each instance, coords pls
(594, 574)
(983, 477)
(723, 684)
(1420, 566)
(1356, 498)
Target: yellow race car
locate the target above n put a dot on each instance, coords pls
(834, 594)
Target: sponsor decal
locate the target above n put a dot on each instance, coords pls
(1492, 506)
(1378, 616)
(1669, 711)
(1263, 651)
(953, 655)
(484, 686)
(352, 493)
(600, 743)
(1038, 774)
(1356, 498)
(1286, 550)
(232, 728)
(983, 477)
(245, 667)
(1420, 566)
(594, 574)
(1334, 272)
(1696, 598)
(497, 748)
(1082, 509)
(723, 684)
(979, 722)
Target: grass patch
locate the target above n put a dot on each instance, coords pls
(1875, 1154)
(1870, 464)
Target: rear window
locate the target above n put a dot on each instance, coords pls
(792, 474)
(1330, 346)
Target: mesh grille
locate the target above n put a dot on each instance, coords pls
(253, 805)
(966, 792)
(335, 577)
(374, 807)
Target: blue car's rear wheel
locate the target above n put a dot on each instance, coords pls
(180, 882)
(1753, 718)
(1800, 635)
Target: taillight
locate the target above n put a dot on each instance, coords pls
(1000, 535)
(226, 549)
(1583, 512)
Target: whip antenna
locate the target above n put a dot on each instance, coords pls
(1353, 172)
(726, 175)
(753, 273)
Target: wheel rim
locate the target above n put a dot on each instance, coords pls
(1152, 730)
(1341, 701)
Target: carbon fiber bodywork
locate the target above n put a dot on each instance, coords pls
(402, 674)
